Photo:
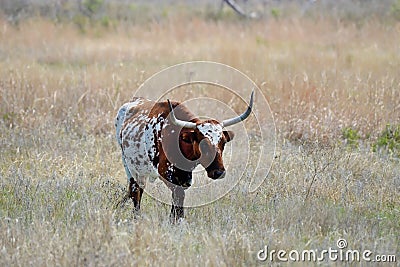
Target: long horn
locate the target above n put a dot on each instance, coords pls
(242, 117)
(175, 121)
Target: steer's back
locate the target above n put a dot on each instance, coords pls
(136, 133)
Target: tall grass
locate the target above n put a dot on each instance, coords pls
(318, 77)
(60, 169)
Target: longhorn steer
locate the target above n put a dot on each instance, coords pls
(165, 140)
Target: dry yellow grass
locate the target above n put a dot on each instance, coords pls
(60, 169)
(315, 74)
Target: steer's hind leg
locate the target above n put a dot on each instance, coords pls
(135, 192)
(178, 197)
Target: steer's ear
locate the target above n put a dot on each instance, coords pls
(229, 135)
(187, 137)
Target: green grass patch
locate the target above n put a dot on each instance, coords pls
(389, 140)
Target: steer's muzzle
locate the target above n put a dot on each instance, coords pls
(187, 184)
(216, 174)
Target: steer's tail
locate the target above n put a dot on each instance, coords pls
(119, 120)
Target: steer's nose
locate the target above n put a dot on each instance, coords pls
(187, 184)
(217, 174)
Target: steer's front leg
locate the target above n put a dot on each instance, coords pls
(178, 196)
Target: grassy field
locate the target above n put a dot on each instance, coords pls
(333, 87)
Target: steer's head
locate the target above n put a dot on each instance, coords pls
(204, 141)
(205, 144)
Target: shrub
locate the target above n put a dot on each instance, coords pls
(93, 6)
(351, 137)
(389, 140)
(396, 10)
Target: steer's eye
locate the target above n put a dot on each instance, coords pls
(187, 137)
(224, 141)
(186, 140)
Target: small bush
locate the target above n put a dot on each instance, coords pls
(93, 6)
(351, 137)
(276, 13)
(396, 10)
(389, 140)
